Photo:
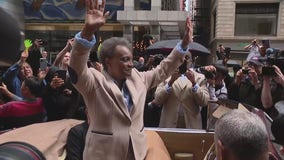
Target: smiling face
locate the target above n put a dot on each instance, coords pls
(120, 65)
(26, 70)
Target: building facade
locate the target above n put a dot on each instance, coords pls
(164, 19)
(235, 23)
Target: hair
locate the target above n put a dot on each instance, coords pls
(243, 133)
(108, 48)
(34, 84)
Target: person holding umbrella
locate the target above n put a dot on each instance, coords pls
(115, 97)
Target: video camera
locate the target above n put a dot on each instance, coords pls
(208, 74)
(273, 57)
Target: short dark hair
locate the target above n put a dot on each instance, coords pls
(108, 48)
(34, 84)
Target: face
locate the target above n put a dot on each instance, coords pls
(44, 54)
(188, 60)
(26, 70)
(120, 65)
(255, 67)
(66, 59)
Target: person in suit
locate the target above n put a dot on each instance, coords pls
(187, 91)
(115, 97)
(241, 135)
(76, 138)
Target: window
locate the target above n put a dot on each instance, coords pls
(142, 4)
(256, 19)
(169, 5)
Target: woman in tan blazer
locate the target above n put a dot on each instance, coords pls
(115, 97)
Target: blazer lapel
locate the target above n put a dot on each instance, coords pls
(117, 96)
(132, 90)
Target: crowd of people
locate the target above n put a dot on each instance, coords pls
(120, 94)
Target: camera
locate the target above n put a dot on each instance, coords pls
(268, 71)
(245, 70)
(157, 59)
(273, 57)
(209, 75)
(61, 74)
(228, 52)
(182, 68)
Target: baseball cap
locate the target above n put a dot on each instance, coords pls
(277, 129)
(256, 60)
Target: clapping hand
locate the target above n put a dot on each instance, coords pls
(95, 18)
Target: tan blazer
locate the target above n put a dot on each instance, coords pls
(112, 127)
(181, 95)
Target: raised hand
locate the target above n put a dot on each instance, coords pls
(188, 33)
(95, 17)
(28, 43)
(69, 44)
(190, 76)
(279, 78)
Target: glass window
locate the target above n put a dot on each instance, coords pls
(142, 5)
(256, 19)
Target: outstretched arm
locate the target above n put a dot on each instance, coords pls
(62, 53)
(85, 40)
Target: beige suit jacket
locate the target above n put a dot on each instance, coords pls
(181, 95)
(112, 127)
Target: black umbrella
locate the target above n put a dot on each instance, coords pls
(166, 46)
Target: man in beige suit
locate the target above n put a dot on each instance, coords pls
(115, 97)
(186, 90)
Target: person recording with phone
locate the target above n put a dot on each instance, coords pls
(253, 49)
(61, 99)
(15, 74)
(215, 76)
(34, 53)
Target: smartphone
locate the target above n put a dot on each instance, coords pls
(182, 68)
(61, 74)
(268, 71)
(43, 64)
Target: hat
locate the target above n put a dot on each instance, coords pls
(277, 129)
(255, 60)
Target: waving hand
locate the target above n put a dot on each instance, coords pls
(95, 17)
